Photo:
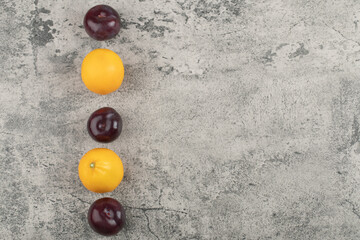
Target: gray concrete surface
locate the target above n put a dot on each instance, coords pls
(241, 119)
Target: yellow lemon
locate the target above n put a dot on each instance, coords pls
(102, 71)
(101, 170)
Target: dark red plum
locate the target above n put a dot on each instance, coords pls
(102, 22)
(106, 216)
(104, 125)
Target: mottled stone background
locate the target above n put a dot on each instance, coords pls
(241, 119)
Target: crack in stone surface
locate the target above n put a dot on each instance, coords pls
(156, 209)
(341, 34)
(353, 208)
(148, 225)
(160, 195)
(81, 200)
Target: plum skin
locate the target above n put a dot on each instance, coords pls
(102, 22)
(106, 216)
(104, 125)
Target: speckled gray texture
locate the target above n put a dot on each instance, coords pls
(241, 119)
